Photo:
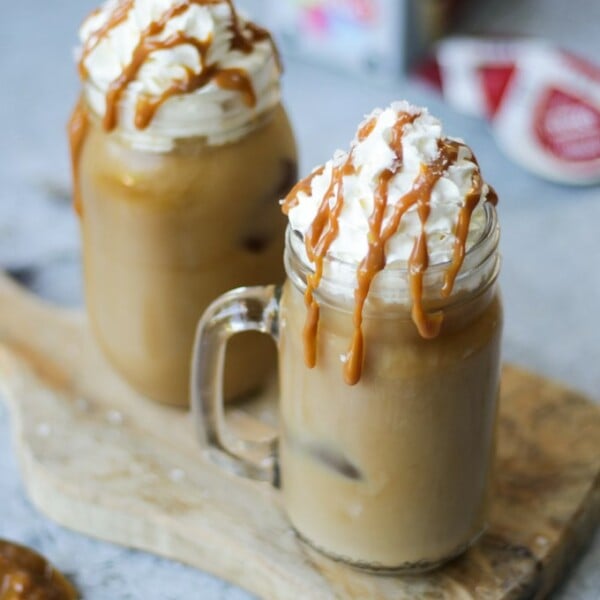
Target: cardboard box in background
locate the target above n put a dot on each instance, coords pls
(379, 37)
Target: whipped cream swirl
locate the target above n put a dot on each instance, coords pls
(372, 156)
(209, 33)
(404, 195)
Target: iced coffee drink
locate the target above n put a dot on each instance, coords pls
(388, 330)
(389, 345)
(181, 150)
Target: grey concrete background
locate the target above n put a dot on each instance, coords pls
(551, 279)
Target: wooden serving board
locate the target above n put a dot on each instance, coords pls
(98, 458)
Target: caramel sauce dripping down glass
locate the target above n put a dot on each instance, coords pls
(375, 260)
(325, 228)
(321, 235)
(77, 129)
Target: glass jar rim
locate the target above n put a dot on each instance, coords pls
(480, 268)
(490, 227)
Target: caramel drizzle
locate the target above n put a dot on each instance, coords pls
(461, 232)
(303, 186)
(243, 39)
(462, 228)
(77, 130)
(325, 227)
(321, 234)
(146, 107)
(367, 129)
(227, 79)
(375, 259)
(428, 325)
(118, 16)
(259, 34)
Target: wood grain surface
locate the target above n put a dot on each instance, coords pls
(100, 459)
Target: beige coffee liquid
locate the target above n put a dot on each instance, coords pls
(165, 234)
(395, 470)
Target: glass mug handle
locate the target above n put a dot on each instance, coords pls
(238, 311)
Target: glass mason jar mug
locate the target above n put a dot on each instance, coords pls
(391, 474)
(166, 230)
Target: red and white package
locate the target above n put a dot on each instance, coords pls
(475, 72)
(544, 103)
(549, 118)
